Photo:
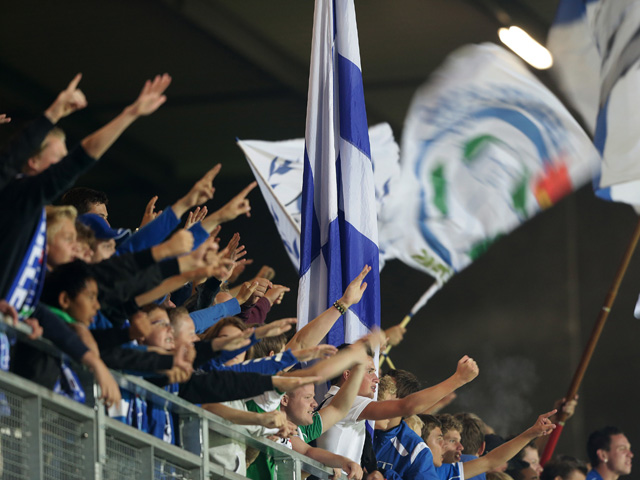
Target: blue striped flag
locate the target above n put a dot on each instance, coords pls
(339, 232)
(278, 166)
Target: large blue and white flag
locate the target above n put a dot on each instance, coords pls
(277, 167)
(485, 147)
(596, 49)
(339, 233)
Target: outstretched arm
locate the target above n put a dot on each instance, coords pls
(334, 366)
(418, 402)
(313, 332)
(275, 419)
(508, 450)
(149, 100)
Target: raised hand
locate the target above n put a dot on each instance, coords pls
(237, 206)
(179, 243)
(395, 334)
(4, 118)
(246, 292)
(319, 351)
(376, 339)
(70, 100)
(195, 216)
(261, 288)
(276, 328)
(149, 212)
(276, 293)
(275, 419)
(355, 289)
(467, 369)
(232, 343)
(543, 425)
(151, 97)
(183, 357)
(568, 408)
(238, 269)
(201, 192)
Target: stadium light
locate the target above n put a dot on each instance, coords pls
(526, 47)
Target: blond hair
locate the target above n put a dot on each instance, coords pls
(55, 214)
(415, 423)
(386, 388)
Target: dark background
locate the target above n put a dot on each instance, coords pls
(524, 310)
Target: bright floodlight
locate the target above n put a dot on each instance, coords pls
(526, 47)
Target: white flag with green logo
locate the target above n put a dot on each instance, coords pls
(485, 147)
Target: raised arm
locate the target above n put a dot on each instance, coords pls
(420, 401)
(334, 366)
(343, 400)
(314, 331)
(149, 100)
(508, 450)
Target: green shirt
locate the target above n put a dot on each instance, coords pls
(309, 433)
(263, 468)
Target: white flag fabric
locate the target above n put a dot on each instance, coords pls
(485, 147)
(277, 166)
(596, 50)
(339, 233)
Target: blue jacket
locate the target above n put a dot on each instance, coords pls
(402, 451)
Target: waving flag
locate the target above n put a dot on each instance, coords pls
(278, 167)
(596, 47)
(485, 147)
(339, 233)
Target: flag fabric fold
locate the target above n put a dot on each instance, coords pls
(338, 213)
(596, 50)
(485, 147)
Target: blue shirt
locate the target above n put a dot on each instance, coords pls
(157, 230)
(265, 365)
(451, 471)
(467, 458)
(205, 318)
(402, 451)
(593, 475)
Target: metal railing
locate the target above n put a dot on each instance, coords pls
(44, 435)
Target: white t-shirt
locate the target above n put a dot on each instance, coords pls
(346, 437)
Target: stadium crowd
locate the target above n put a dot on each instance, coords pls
(164, 303)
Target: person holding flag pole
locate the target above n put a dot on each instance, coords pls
(600, 39)
(339, 233)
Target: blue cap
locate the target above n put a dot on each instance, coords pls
(101, 228)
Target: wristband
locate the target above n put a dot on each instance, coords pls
(341, 308)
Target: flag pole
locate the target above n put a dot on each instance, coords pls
(591, 344)
(426, 296)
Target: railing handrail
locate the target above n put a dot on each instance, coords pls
(179, 406)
